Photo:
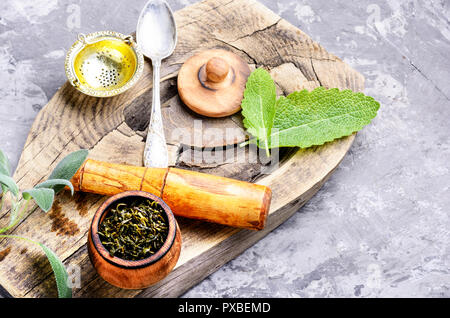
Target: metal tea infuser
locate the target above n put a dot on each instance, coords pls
(104, 64)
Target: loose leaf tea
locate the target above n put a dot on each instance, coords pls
(134, 231)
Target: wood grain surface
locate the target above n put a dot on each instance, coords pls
(114, 130)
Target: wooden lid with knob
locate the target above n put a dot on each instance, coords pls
(212, 82)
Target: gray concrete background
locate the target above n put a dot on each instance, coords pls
(380, 226)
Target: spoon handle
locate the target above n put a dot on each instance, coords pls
(155, 153)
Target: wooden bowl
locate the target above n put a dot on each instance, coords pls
(134, 274)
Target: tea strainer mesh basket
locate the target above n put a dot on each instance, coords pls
(104, 63)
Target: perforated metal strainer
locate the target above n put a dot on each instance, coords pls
(104, 64)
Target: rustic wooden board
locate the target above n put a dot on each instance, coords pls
(113, 130)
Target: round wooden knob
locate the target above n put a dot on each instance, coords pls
(217, 69)
(212, 82)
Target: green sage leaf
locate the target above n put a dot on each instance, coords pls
(5, 167)
(51, 183)
(8, 183)
(258, 105)
(43, 197)
(61, 276)
(67, 167)
(305, 119)
(14, 213)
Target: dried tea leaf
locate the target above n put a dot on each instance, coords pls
(134, 231)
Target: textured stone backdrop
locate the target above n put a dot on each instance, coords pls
(380, 226)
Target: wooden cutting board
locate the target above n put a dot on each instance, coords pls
(114, 130)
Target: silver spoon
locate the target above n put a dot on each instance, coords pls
(156, 35)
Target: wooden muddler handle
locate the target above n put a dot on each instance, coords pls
(189, 194)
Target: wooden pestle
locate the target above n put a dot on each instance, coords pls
(189, 194)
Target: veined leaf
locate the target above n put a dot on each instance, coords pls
(304, 119)
(9, 184)
(61, 276)
(51, 183)
(14, 214)
(68, 166)
(5, 167)
(43, 197)
(258, 105)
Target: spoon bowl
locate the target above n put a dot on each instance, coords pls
(156, 31)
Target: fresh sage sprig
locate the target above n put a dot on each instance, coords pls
(43, 194)
(301, 119)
